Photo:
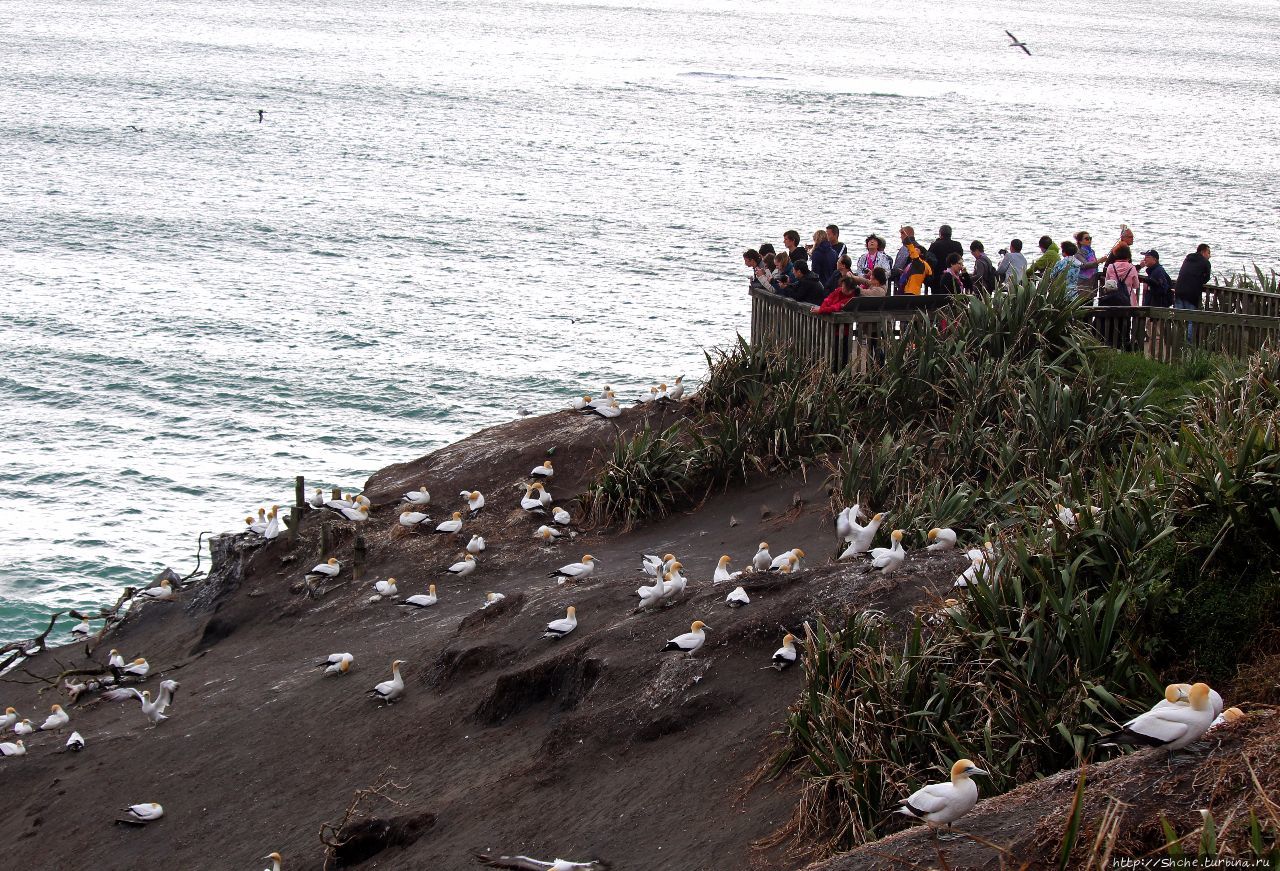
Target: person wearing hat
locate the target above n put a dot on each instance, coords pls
(1157, 287)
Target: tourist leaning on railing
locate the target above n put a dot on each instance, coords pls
(874, 257)
(1120, 279)
(984, 271)
(844, 266)
(1088, 263)
(806, 288)
(1068, 266)
(1157, 286)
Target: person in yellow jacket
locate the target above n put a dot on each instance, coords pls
(917, 270)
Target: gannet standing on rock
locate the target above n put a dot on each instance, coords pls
(336, 663)
(940, 803)
(561, 628)
(16, 748)
(762, 560)
(673, 582)
(114, 659)
(546, 470)
(690, 641)
(463, 567)
(327, 569)
(143, 813)
(544, 495)
(737, 598)
(722, 574)
(417, 497)
(76, 742)
(83, 629)
(423, 600)
(358, 514)
(1168, 726)
(861, 536)
(162, 593)
(10, 717)
(55, 720)
(677, 389)
(575, 571)
(453, 524)
(651, 596)
(138, 668)
(276, 859)
(786, 654)
(390, 690)
(272, 532)
(889, 559)
(943, 539)
(844, 528)
(475, 502)
(476, 545)
(153, 711)
(654, 565)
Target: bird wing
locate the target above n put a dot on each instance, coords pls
(121, 693)
(1027, 50)
(932, 798)
(1011, 36)
(560, 626)
(517, 863)
(1164, 725)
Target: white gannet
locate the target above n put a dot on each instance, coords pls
(943, 538)
(475, 502)
(543, 494)
(677, 389)
(336, 663)
(546, 470)
(23, 727)
(390, 690)
(561, 628)
(562, 517)
(464, 566)
(316, 499)
(651, 596)
(417, 497)
(762, 560)
(328, 569)
(10, 717)
(55, 720)
(1168, 726)
(75, 743)
(612, 409)
(412, 519)
(673, 582)
(844, 528)
(581, 403)
(1066, 516)
(690, 641)
(359, 513)
(476, 545)
(361, 500)
(888, 559)
(1230, 715)
(531, 503)
(789, 563)
(492, 599)
(276, 859)
(272, 532)
(114, 659)
(153, 711)
(259, 526)
(338, 501)
(144, 813)
(15, 748)
(83, 628)
(546, 533)
(786, 654)
(138, 668)
(386, 589)
(525, 863)
(453, 524)
(162, 593)
(423, 600)
(1184, 693)
(574, 571)
(861, 537)
(603, 399)
(737, 598)
(978, 570)
(781, 559)
(168, 689)
(722, 574)
(654, 565)
(651, 396)
(940, 803)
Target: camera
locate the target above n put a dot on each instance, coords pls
(1003, 251)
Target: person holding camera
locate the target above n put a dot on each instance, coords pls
(1013, 265)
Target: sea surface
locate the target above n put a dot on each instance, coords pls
(456, 211)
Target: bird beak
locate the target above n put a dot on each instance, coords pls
(705, 626)
(976, 771)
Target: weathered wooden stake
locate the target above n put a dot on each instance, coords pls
(299, 505)
(300, 492)
(326, 537)
(357, 558)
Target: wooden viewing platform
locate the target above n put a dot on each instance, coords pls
(1234, 322)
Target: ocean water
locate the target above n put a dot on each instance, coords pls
(457, 211)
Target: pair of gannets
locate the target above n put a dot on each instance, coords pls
(390, 690)
(981, 566)
(574, 571)
(889, 559)
(1170, 725)
(788, 561)
(689, 642)
(859, 537)
(452, 525)
(417, 497)
(653, 565)
(137, 668)
(944, 803)
(669, 585)
(475, 502)
(609, 409)
(562, 627)
(465, 565)
(162, 593)
(153, 711)
(422, 600)
(532, 500)
(476, 545)
(336, 663)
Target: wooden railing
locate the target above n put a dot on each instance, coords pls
(1238, 300)
(857, 336)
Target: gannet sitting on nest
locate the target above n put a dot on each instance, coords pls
(861, 536)
(762, 560)
(16, 748)
(690, 641)
(1230, 715)
(327, 569)
(55, 720)
(75, 743)
(575, 571)
(546, 470)
(417, 497)
(546, 533)
(140, 814)
(786, 654)
(276, 859)
(316, 499)
(138, 668)
(476, 545)
(560, 516)
(453, 524)
(782, 559)
(162, 593)
(411, 518)
(358, 514)
(390, 690)
(561, 628)
(10, 717)
(258, 526)
(942, 538)
(530, 502)
(475, 502)
(423, 600)
(336, 663)
(722, 574)
(464, 566)
(385, 590)
(737, 598)
(23, 727)
(889, 559)
(940, 803)
(1168, 726)
(492, 599)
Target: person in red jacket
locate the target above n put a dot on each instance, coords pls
(846, 291)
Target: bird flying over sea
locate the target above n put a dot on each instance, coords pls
(1016, 43)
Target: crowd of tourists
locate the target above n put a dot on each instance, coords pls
(826, 275)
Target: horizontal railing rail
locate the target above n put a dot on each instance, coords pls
(1240, 300)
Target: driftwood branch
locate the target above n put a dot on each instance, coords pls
(15, 650)
(199, 554)
(331, 835)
